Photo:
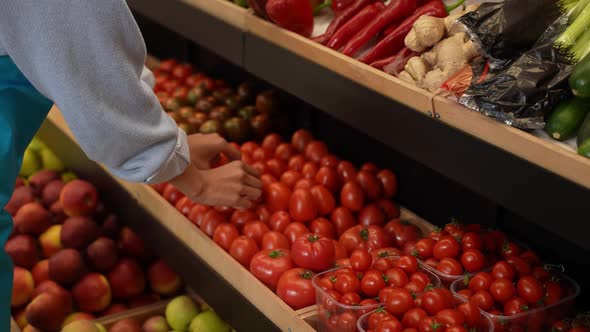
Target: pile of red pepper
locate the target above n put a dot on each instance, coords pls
(358, 22)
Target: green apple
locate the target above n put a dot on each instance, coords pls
(208, 321)
(155, 324)
(180, 312)
(50, 160)
(100, 327)
(81, 326)
(68, 176)
(31, 163)
(205, 307)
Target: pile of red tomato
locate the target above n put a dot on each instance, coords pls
(580, 323)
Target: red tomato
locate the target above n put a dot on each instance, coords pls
(370, 185)
(436, 300)
(369, 167)
(510, 249)
(433, 262)
(365, 303)
(346, 322)
(197, 213)
(309, 170)
(385, 252)
(313, 252)
(424, 248)
(530, 289)
(171, 194)
(290, 178)
(322, 227)
(316, 150)
(260, 167)
(300, 139)
(388, 182)
(295, 230)
(296, 163)
(483, 299)
(279, 220)
(473, 260)
(211, 220)
(274, 240)
(325, 284)
(225, 234)
(471, 313)
(267, 180)
(531, 257)
(295, 288)
(339, 250)
(402, 232)
(342, 219)
(328, 177)
(304, 184)
(455, 328)
(268, 266)
(284, 152)
(278, 197)
(436, 234)
(389, 325)
(182, 71)
(167, 65)
(480, 281)
(323, 199)
(413, 317)
(389, 208)
(447, 246)
(420, 276)
(371, 215)
(271, 142)
(521, 267)
(346, 171)
(329, 160)
(515, 306)
(243, 249)
(450, 317)
(399, 302)
(352, 196)
(263, 213)
(502, 290)
(503, 270)
(369, 238)
(466, 293)
(276, 167)
(471, 240)
(450, 266)
(248, 148)
(382, 264)
(361, 260)
(302, 206)
(407, 263)
(261, 155)
(350, 299)
(377, 316)
(184, 205)
(342, 262)
(255, 230)
(347, 283)
(396, 277)
(553, 293)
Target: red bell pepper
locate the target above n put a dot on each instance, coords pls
(294, 15)
(394, 11)
(395, 40)
(395, 64)
(356, 24)
(348, 13)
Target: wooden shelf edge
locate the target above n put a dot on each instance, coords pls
(223, 10)
(551, 157)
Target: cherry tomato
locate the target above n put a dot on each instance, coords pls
(211, 220)
(323, 199)
(248, 148)
(515, 306)
(313, 252)
(530, 289)
(483, 299)
(304, 184)
(430, 324)
(284, 151)
(342, 219)
(450, 317)
(503, 270)
(239, 218)
(371, 215)
(480, 281)
(385, 252)
(274, 240)
(402, 232)
(184, 205)
(255, 230)
(197, 214)
(361, 260)
(424, 247)
(279, 220)
(510, 249)
(436, 234)
(447, 246)
(415, 286)
(413, 317)
(502, 290)
(278, 196)
(382, 264)
(325, 284)
(346, 322)
(309, 170)
(389, 325)
(388, 182)
(302, 206)
(369, 238)
(268, 266)
(521, 267)
(300, 139)
(450, 266)
(342, 262)
(167, 65)
(371, 303)
(433, 262)
(295, 288)
(531, 257)
(329, 160)
(347, 283)
(389, 208)
(473, 260)
(260, 167)
(290, 178)
(352, 196)
(271, 142)
(455, 328)
(409, 264)
(399, 302)
(182, 71)
(295, 230)
(350, 299)
(276, 167)
(377, 316)
(328, 177)
(471, 240)
(261, 155)
(316, 150)
(420, 276)
(372, 282)
(466, 293)
(396, 277)
(323, 227)
(340, 251)
(296, 163)
(436, 300)
(553, 293)
(346, 171)
(471, 313)
(243, 249)
(225, 234)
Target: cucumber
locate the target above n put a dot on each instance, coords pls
(565, 120)
(584, 138)
(580, 78)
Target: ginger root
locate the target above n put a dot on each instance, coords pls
(417, 68)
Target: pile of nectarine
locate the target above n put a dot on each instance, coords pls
(73, 259)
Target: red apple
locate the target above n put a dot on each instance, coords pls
(47, 312)
(126, 279)
(30, 328)
(23, 287)
(126, 325)
(66, 266)
(50, 241)
(23, 250)
(59, 216)
(32, 218)
(132, 244)
(50, 286)
(76, 316)
(50, 193)
(41, 178)
(79, 198)
(115, 308)
(78, 232)
(92, 293)
(41, 271)
(102, 254)
(20, 318)
(20, 196)
(19, 182)
(163, 280)
(110, 227)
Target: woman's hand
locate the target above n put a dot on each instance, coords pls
(205, 149)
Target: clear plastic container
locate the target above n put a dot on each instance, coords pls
(536, 320)
(335, 317)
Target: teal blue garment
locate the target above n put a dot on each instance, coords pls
(22, 111)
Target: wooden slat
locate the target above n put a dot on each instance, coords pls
(550, 156)
(223, 10)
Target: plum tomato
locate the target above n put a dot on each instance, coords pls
(296, 163)
(225, 234)
(271, 142)
(388, 182)
(352, 196)
(290, 178)
(329, 160)
(342, 219)
(371, 215)
(294, 230)
(323, 227)
(211, 220)
(313, 252)
(275, 240)
(239, 218)
(346, 171)
(401, 231)
(328, 177)
(301, 139)
(284, 151)
(278, 197)
(389, 208)
(278, 221)
(309, 170)
(316, 150)
(243, 249)
(255, 230)
(268, 265)
(302, 206)
(370, 185)
(295, 288)
(323, 200)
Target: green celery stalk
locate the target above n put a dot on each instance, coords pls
(568, 38)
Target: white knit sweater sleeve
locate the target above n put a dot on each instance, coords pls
(88, 58)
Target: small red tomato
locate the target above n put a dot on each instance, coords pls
(225, 234)
(278, 197)
(371, 215)
(450, 266)
(388, 183)
(376, 317)
(271, 142)
(328, 177)
(346, 322)
(515, 306)
(295, 230)
(248, 148)
(382, 264)
(340, 252)
(329, 160)
(342, 219)
(369, 184)
(473, 260)
(302, 206)
(279, 220)
(409, 264)
(276, 167)
(260, 155)
(361, 260)
(296, 163)
(553, 293)
(316, 150)
(350, 299)
(402, 232)
(284, 151)
(399, 302)
(424, 248)
(243, 249)
(184, 205)
(369, 167)
(290, 178)
(347, 283)
(531, 257)
(450, 317)
(480, 281)
(413, 317)
(269, 265)
(295, 288)
(370, 303)
(471, 240)
(352, 196)
(309, 170)
(483, 299)
(503, 270)
(275, 240)
(304, 184)
(396, 277)
(471, 313)
(415, 287)
(502, 290)
(466, 293)
(255, 230)
(197, 214)
(389, 208)
(322, 227)
(521, 267)
(421, 276)
(372, 282)
(510, 249)
(436, 300)
(211, 220)
(346, 171)
(447, 246)
(313, 252)
(389, 325)
(323, 199)
(530, 289)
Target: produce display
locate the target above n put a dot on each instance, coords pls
(200, 104)
(74, 260)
